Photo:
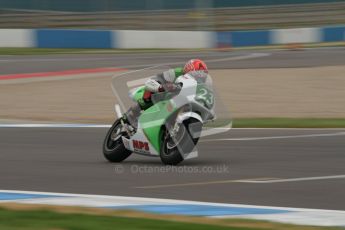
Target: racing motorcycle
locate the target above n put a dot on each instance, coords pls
(170, 128)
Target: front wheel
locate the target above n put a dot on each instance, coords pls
(113, 147)
(173, 149)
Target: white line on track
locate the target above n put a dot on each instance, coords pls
(293, 179)
(80, 125)
(278, 137)
(205, 132)
(292, 128)
(201, 183)
(250, 181)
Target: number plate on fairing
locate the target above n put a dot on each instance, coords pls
(205, 95)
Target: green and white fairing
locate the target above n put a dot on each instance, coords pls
(192, 100)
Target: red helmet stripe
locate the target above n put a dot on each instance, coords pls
(194, 65)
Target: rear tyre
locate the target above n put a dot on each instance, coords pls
(113, 147)
(170, 153)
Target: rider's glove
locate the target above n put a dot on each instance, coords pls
(153, 86)
(169, 86)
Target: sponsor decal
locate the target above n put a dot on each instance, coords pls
(141, 146)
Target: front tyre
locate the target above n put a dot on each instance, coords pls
(113, 147)
(170, 153)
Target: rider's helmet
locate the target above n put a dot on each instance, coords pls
(195, 65)
(197, 69)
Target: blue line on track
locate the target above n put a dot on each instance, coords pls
(19, 196)
(199, 210)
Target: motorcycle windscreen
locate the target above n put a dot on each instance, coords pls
(179, 107)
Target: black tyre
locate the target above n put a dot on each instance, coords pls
(113, 147)
(170, 151)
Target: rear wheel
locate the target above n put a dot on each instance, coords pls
(113, 147)
(173, 149)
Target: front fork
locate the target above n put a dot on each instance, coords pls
(127, 128)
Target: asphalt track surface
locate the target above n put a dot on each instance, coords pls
(216, 60)
(70, 160)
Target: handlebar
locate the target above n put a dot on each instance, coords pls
(170, 90)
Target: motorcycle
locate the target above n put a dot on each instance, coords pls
(169, 128)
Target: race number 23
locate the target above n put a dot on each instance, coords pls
(205, 95)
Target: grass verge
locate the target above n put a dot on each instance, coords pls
(289, 123)
(30, 217)
(44, 51)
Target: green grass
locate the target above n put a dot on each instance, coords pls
(289, 123)
(35, 51)
(44, 51)
(37, 220)
(42, 219)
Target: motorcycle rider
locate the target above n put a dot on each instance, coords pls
(165, 82)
